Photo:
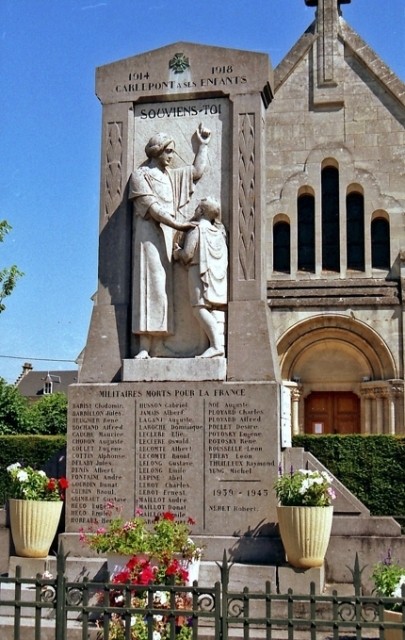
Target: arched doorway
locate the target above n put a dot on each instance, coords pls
(339, 371)
(328, 412)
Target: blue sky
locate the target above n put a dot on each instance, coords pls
(50, 138)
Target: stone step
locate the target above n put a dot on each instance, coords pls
(75, 632)
(27, 629)
(240, 575)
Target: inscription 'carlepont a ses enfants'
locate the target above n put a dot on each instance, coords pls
(221, 76)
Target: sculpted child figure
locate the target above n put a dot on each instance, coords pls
(205, 254)
(159, 193)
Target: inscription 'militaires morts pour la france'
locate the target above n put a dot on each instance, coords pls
(199, 451)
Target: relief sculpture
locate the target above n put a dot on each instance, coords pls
(159, 194)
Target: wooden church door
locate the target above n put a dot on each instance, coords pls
(332, 412)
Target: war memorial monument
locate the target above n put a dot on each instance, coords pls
(178, 402)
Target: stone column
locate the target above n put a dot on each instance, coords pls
(296, 395)
(395, 392)
(366, 396)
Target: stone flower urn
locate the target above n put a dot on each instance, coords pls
(305, 533)
(34, 524)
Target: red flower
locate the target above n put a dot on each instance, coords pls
(173, 567)
(122, 576)
(63, 483)
(51, 486)
(190, 521)
(168, 515)
(183, 575)
(133, 563)
(146, 575)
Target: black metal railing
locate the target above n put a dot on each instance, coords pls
(59, 609)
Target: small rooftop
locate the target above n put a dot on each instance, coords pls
(34, 384)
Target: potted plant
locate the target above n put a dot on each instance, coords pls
(305, 515)
(171, 539)
(35, 509)
(166, 539)
(120, 539)
(389, 580)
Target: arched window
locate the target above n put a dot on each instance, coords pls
(355, 230)
(380, 243)
(281, 247)
(306, 232)
(330, 219)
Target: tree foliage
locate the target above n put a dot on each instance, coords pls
(47, 416)
(8, 275)
(13, 410)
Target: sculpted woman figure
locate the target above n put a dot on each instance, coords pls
(159, 193)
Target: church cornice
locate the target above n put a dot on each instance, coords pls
(368, 57)
(293, 57)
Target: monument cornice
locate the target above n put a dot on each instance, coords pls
(184, 71)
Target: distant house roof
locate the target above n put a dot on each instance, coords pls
(34, 384)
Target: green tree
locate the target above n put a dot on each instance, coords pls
(14, 413)
(8, 275)
(49, 415)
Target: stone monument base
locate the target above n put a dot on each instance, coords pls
(173, 369)
(205, 450)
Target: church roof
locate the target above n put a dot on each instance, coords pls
(358, 47)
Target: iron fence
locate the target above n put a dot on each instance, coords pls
(54, 608)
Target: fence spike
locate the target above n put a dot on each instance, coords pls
(61, 558)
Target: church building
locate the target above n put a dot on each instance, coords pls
(335, 230)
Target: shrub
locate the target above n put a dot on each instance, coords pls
(372, 467)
